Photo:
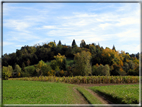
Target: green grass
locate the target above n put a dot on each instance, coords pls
(36, 92)
(90, 98)
(119, 94)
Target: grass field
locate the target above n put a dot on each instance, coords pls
(36, 92)
(39, 92)
(119, 94)
(91, 99)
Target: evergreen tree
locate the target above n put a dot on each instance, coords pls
(74, 43)
(59, 43)
(113, 48)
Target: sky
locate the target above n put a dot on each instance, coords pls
(108, 24)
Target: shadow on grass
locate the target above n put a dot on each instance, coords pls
(117, 100)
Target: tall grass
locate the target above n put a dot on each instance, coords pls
(84, 79)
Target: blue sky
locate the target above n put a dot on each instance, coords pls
(105, 23)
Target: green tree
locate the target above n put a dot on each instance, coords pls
(39, 66)
(82, 63)
(30, 70)
(10, 70)
(45, 69)
(53, 64)
(94, 70)
(126, 67)
(92, 49)
(18, 70)
(106, 70)
(100, 69)
(23, 66)
(131, 64)
(7, 72)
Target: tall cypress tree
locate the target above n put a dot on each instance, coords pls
(113, 48)
(59, 43)
(74, 43)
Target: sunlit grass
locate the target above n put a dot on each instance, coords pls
(36, 92)
(119, 94)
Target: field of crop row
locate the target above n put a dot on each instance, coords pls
(84, 79)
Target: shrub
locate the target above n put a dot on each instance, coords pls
(99, 70)
(30, 70)
(53, 64)
(45, 69)
(17, 69)
(106, 70)
(7, 72)
(131, 72)
(94, 70)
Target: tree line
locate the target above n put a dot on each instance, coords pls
(88, 59)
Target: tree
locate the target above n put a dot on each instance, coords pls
(28, 62)
(7, 72)
(131, 64)
(100, 69)
(45, 69)
(30, 70)
(82, 44)
(113, 48)
(59, 43)
(18, 70)
(82, 63)
(51, 44)
(23, 66)
(61, 61)
(39, 66)
(74, 44)
(94, 70)
(10, 70)
(92, 49)
(126, 67)
(106, 70)
(53, 64)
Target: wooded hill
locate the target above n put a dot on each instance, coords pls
(88, 59)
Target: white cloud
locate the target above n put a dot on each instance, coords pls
(105, 25)
(49, 27)
(16, 24)
(128, 21)
(131, 49)
(129, 35)
(21, 36)
(7, 43)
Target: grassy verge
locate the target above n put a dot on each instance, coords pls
(119, 94)
(36, 92)
(88, 96)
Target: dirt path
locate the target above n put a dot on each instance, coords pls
(101, 98)
(83, 100)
